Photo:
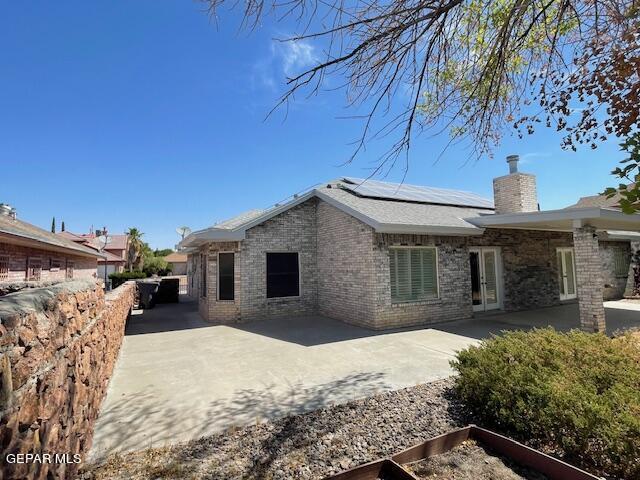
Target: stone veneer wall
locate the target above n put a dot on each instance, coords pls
(347, 274)
(58, 347)
(614, 283)
(529, 263)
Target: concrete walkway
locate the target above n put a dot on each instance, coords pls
(179, 378)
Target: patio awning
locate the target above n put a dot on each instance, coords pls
(565, 220)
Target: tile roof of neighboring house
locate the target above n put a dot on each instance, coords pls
(118, 241)
(176, 257)
(386, 215)
(599, 201)
(24, 230)
(111, 258)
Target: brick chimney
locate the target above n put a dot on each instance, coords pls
(515, 192)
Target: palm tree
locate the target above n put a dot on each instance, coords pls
(134, 250)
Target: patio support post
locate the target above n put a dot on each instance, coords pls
(588, 278)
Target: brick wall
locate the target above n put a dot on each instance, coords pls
(614, 283)
(589, 279)
(515, 192)
(58, 347)
(291, 231)
(347, 274)
(223, 311)
(454, 282)
(54, 264)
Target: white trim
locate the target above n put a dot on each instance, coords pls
(578, 215)
(218, 300)
(567, 296)
(266, 275)
(499, 278)
(437, 262)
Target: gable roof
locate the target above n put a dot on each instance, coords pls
(19, 230)
(599, 200)
(384, 215)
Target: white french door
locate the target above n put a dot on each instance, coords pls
(485, 279)
(566, 273)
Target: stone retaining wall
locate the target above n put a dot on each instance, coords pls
(58, 347)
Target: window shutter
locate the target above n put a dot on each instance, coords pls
(413, 273)
(429, 272)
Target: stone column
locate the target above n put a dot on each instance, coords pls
(589, 278)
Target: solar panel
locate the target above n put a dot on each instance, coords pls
(414, 193)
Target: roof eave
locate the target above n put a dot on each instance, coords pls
(429, 230)
(565, 219)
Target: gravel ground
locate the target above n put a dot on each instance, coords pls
(307, 446)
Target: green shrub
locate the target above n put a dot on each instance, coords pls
(155, 266)
(575, 393)
(118, 279)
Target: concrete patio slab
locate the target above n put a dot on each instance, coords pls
(179, 378)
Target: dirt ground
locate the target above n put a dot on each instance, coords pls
(470, 461)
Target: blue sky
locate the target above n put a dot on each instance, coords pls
(148, 114)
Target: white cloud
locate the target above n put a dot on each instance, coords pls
(531, 156)
(294, 56)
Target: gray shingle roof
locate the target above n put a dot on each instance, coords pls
(383, 215)
(403, 214)
(238, 220)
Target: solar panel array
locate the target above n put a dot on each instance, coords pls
(414, 193)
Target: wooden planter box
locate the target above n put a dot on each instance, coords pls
(391, 469)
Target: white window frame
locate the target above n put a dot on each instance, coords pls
(266, 277)
(218, 277)
(567, 297)
(437, 260)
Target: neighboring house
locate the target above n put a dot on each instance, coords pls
(178, 263)
(32, 254)
(384, 255)
(115, 253)
(617, 251)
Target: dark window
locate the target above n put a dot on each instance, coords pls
(225, 276)
(203, 275)
(283, 275)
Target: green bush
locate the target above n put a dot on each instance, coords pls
(155, 266)
(118, 279)
(574, 393)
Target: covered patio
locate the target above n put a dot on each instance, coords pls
(585, 224)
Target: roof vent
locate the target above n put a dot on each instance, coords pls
(513, 160)
(7, 210)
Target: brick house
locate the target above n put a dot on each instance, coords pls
(383, 255)
(31, 254)
(114, 258)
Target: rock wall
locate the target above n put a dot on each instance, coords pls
(58, 347)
